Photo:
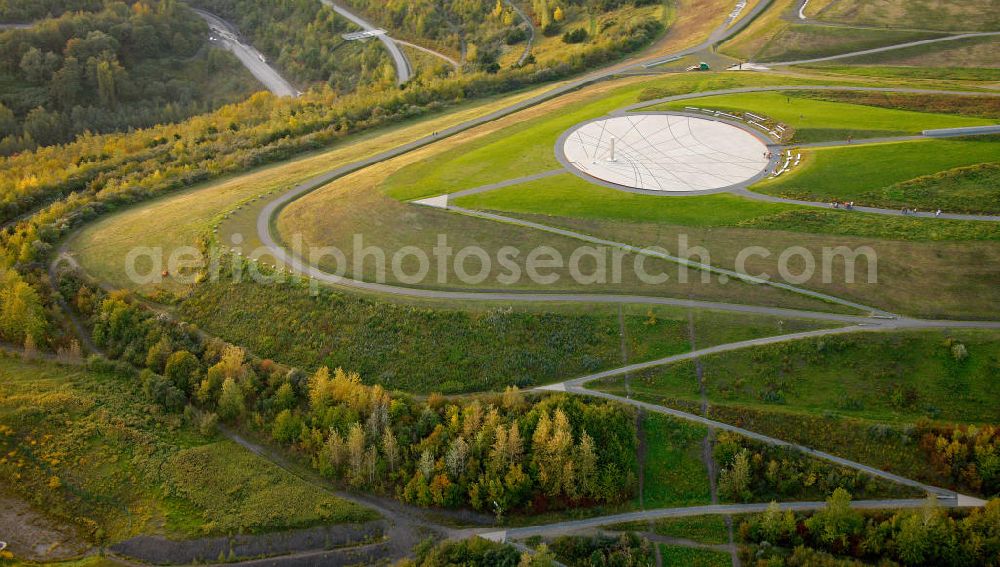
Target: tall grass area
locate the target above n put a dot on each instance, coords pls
(674, 472)
(86, 448)
(861, 173)
(899, 377)
(882, 400)
(428, 348)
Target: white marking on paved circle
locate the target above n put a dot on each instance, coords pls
(665, 152)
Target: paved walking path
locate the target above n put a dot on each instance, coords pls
(572, 526)
(883, 49)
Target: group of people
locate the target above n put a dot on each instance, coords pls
(906, 211)
(849, 205)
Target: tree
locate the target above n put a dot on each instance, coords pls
(45, 128)
(156, 358)
(21, 312)
(231, 401)
(390, 449)
(513, 399)
(284, 397)
(456, 457)
(836, 523)
(183, 369)
(8, 123)
(356, 453)
(586, 465)
(734, 481)
(287, 427)
(66, 85)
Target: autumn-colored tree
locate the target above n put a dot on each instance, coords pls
(231, 400)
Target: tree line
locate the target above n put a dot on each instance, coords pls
(927, 536)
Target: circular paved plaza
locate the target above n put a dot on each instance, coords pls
(665, 152)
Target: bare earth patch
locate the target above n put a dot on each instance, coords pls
(32, 536)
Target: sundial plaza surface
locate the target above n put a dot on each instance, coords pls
(666, 152)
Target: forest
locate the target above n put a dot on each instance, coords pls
(120, 67)
(303, 38)
(25, 11)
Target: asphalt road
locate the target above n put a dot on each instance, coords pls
(403, 69)
(228, 36)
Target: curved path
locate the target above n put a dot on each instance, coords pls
(883, 49)
(252, 59)
(428, 51)
(403, 68)
(531, 31)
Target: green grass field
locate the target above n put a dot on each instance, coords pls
(674, 473)
(243, 496)
(895, 378)
(85, 448)
(570, 196)
(820, 120)
(694, 557)
(703, 529)
(861, 173)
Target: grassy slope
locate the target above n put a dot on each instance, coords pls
(569, 196)
(674, 473)
(859, 173)
(110, 451)
(693, 557)
(863, 376)
(825, 392)
(774, 37)
(352, 207)
(459, 349)
(819, 120)
(965, 15)
(180, 219)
